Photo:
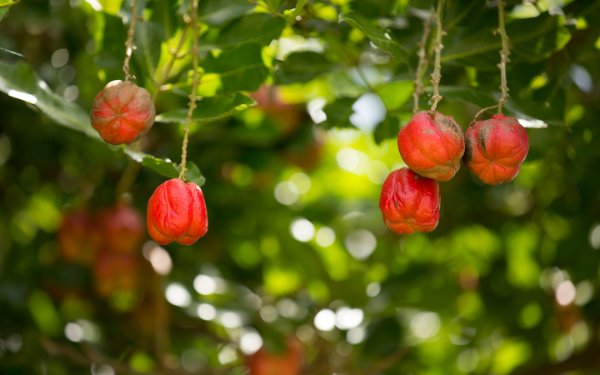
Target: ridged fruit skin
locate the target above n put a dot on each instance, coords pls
(496, 148)
(409, 203)
(177, 213)
(122, 227)
(121, 112)
(288, 363)
(432, 145)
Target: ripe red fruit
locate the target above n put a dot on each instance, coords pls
(122, 227)
(432, 145)
(496, 148)
(287, 363)
(177, 213)
(78, 238)
(410, 203)
(121, 112)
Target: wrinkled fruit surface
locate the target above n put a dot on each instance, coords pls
(496, 148)
(409, 203)
(288, 363)
(177, 213)
(122, 228)
(432, 145)
(121, 112)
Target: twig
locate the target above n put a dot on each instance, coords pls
(504, 55)
(436, 76)
(129, 47)
(174, 57)
(423, 62)
(193, 20)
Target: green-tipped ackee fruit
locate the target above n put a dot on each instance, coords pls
(409, 203)
(496, 148)
(121, 112)
(432, 145)
(177, 213)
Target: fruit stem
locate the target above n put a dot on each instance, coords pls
(423, 62)
(436, 76)
(193, 21)
(504, 55)
(129, 47)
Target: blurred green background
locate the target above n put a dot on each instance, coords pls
(300, 104)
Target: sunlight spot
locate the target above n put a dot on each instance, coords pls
(595, 237)
(301, 181)
(269, 313)
(325, 237)
(373, 289)
(74, 332)
(102, 369)
(250, 342)
(532, 123)
(230, 319)
(95, 4)
(352, 160)
(205, 284)
(565, 293)
(347, 318)
(315, 110)
(178, 295)
(302, 230)
(286, 193)
(361, 243)
(369, 111)
(584, 292)
(22, 96)
(227, 355)
(60, 58)
(158, 257)
(206, 311)
(325, 320)
(356, 335)
(581, 77)
(425, 325)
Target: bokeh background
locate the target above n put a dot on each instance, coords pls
(300, 105)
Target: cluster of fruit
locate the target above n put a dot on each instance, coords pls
(433, 146)
(110, 240)
(121, 112)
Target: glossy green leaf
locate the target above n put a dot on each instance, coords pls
(167, 168)
(302, 67)
(394, 94)
(219, 12)
(209, 109)
(239, 69)
(8, 3)
(258, 28)
(338, 113)
(378, 36)
(20, 82)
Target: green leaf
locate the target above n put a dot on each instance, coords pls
(302, 67)
(239, 69)
(395, 94)
(218, 12)
(20, 82)
(165, 167)
(258, 28)
(338, 113)
(387, 129)
(379, 37)
(8, 3)
(209, 109)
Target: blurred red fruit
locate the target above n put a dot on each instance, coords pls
(409, 203)
(496, 148)
(432, 145)
(114, 272)
(122, 228)
(287, 363)
(78, 238)
(177, 213)
(121, 112)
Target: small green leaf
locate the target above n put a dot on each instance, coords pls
(238, 69)
(167, 168)
(218, 12)
(209, 109)
(378, 36)
(338, 113)
(302, 67)
(387, 129)
(7, 3)
(258, 28)
(395, 94)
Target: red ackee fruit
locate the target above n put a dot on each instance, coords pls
(410, 203)
(78, 237)
(122, 228)
(115, 272)
(177, 213)
(121, 112)
(496, 148)
(287, 363)
(432, 145)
